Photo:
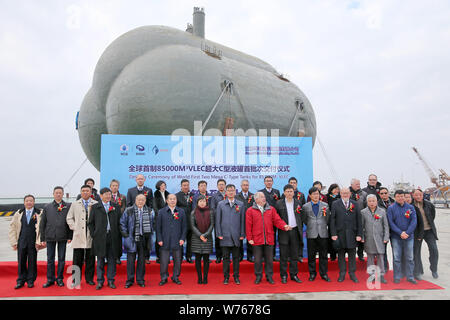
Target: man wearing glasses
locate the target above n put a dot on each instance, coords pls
(373, 186)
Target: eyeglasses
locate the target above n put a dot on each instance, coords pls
(383, 193)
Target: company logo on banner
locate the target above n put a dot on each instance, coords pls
(209, 158)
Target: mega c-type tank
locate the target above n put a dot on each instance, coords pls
(155, 79)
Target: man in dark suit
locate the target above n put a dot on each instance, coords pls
(140, 189)
(118, 198)
(215, 199)
(297, 194)
(24, 238)
(171, 228)
(184, 201)
(272, 196)
(247, 198)
(54, 232)
(104, 226)
(346, 228)
(289, 209)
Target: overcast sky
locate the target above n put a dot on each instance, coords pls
(377, 74)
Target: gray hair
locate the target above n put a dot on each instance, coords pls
(354, 181)
(258, 195)
(370, 196)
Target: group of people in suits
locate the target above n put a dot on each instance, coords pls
(102, 225)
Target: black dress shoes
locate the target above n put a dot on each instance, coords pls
(435, 275)
(60, 283)
(90, 282)
(127, 285)
(276, 260)
(412, 281)
(236, 280)
(218, 260)
(284, 280)
(251, 260)
(270, 280)
(118, 261)
(111, 285)
(226, 281)
(296, 279)
(199, 281)
(177, 281)
(163, 282)
(189, 260)
(30, 284)
(312, 277)
(258, 280)
(19, 285)
(205, 280)
(99, 286)
(383, 280)
(48, 284)
(353, 278)
(326, 278)
(141, 285)
(396, 281)
(341, 278)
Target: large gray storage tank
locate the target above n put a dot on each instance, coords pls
(155, 79)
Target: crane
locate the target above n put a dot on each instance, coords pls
(434, 179)
(440, 182)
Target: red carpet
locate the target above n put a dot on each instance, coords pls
(8, 276)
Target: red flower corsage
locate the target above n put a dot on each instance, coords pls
(377, 216)
(299, 210)
(352, 206)
(275, 196)
(111, 208)
(92, 197)
(145, 193)
(191, 199)
(236, 207)
(299, 196)
(324, 211)
(61, 207)
(175, 215)
(408, 213)
(249, 199)
(357, 197)
(119, 201)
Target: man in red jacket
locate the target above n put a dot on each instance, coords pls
(261, 218)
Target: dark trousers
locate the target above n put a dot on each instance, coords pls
(111, 258)
(51, 252)
(290, 250)
(217, 246)
(164, 263)
(234, 251)
(430, 239)
(317, 245)
(267, 252)
(27, 263)
(84, 256)
(188, 253)
(249, 250)
(351, 253)
(139, 269)
(331, 249)
(360, 250)
(198, 265)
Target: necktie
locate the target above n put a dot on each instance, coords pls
(346, 204)
(28, 216)
(245, 196)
